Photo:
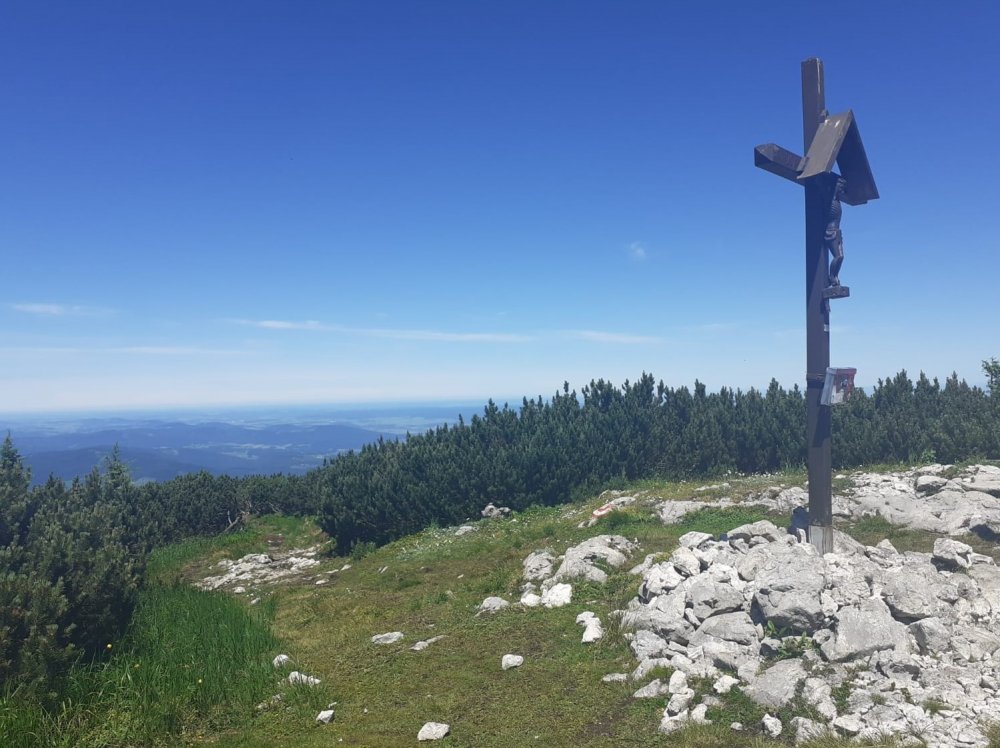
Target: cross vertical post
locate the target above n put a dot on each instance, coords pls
(827, 140)
(817, 322)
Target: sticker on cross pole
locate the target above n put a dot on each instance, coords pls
(838, 386)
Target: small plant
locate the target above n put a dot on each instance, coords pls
(934, 706)
(362, 549)
(795, 646)
(840, 694)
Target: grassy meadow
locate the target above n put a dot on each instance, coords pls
(196, 665)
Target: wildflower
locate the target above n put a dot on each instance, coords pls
(199, 681)
(108, 646)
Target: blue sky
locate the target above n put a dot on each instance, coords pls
(236, 203)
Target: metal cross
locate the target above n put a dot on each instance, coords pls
(827, 140)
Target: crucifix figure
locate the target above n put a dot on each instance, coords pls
(829, 140)
(832, 236)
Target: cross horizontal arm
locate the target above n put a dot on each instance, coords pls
(777, 160)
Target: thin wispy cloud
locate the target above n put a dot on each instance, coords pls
(715, 327)
(445, 336)
(440, 335)
(175, 350)
(637, 251)
(278, 324)
(59, 310)
(600, 336)
(139, 350)
(389, 333)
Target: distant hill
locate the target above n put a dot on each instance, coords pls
(160, 450)
(144, 464)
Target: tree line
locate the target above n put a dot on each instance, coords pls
(546, 451)
(72, 555)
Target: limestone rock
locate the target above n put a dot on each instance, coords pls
(420, 646)
(581, 561)
(539, 566)
(557, 596)
(678, 682)
(973, 644)
(390, 638)
(911, 592)
(672, 722)
(848, 724)
(709, 597)
(531, 600)
(666, 625)
(693, 539)
(433, 730)
(733, 627)
(593, 631)
(951, 554)
(257, 569)
(806, 729)
(818, 694)
(985, 479)
(280, 661)
(301, 679)
(324, 717)
(725, 684)
(932, 635)
(509, 661)
(863, 630)
(679, 702)
(763, 528)
(658, 579)
(788, 585)
(671, 512)
(652, 690)
(491, 511)
(698, 715)
(776, 686)
(646, 644)
(493, 605)
(927, 484)
(772, 725)
(686, 562)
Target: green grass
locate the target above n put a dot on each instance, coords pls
(425, 585)
(432, 586)
(192, 664)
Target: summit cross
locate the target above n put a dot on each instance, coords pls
(828, 140)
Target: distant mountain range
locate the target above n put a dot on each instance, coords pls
(157, 449)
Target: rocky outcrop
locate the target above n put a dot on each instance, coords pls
(766, 612)
(584, 561)
(257, 569)
(491, 511)
(922, 498)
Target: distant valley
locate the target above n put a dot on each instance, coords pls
(162, 446)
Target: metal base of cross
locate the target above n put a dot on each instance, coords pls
(821, 538)
(836, 292)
